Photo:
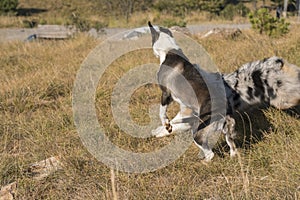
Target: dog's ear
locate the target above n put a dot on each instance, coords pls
(154, 33)
(279, 63)
(275, 63)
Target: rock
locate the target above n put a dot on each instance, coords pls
(179, 29)
(8, 192)
(42, 169)
(38, 171)
(93, 33)
(136, 33)
(226, 33)
(55, 32)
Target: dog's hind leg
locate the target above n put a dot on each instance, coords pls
(229, 132)
(201, 140)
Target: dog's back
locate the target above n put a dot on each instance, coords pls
(184, 82)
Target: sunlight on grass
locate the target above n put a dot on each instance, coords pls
(36, 122)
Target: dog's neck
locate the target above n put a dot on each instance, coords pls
(163, 45)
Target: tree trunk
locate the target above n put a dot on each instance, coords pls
(254, 4)
(298, 7)
(285, 5)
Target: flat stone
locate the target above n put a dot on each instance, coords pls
(44, 168)
(7, 192)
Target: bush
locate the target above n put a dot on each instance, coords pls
(262, 21)
(230, 11)
(99, 25)
(8, 6)
(175, 8)
(180, 8)
(81, 23)
(30, 23)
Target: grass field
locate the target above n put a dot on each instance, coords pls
(36, 122)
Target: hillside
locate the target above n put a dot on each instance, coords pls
(118, 13)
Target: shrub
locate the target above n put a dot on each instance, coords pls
(30, 23)
(175, 8)
(8, 6)
(99, 25)
(230, 11)
(180, 8)
(43, 21)
(262, 21)
(81, 23)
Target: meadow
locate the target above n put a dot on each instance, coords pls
(36, 122)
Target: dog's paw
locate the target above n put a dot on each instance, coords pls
(233, 153)
(206, 157)
(209, 157)
(168, 127)
(161, 131)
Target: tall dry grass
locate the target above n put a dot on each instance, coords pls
(36, 122)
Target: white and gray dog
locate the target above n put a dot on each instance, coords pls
(269, 82)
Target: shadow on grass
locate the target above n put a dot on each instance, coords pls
(251, 128)
(29, 11)
(294, 112)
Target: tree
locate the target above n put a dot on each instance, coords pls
(262, 21)
(126, 7)
(8, 6)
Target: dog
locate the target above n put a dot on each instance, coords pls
(268, 82)
(186, 84)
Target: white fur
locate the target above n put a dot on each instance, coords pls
(208, 153)
(163, 114)
(160, 131)
(163, 45)
(181, 122)
(232, 151)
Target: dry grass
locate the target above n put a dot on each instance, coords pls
(36, 122)
(59, 12)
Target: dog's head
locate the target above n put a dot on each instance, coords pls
(284, 81)
(271, 81)
(162, 41)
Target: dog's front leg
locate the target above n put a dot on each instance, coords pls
(163, 116)
(166, 127)
(183, 121)
(166, 99)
